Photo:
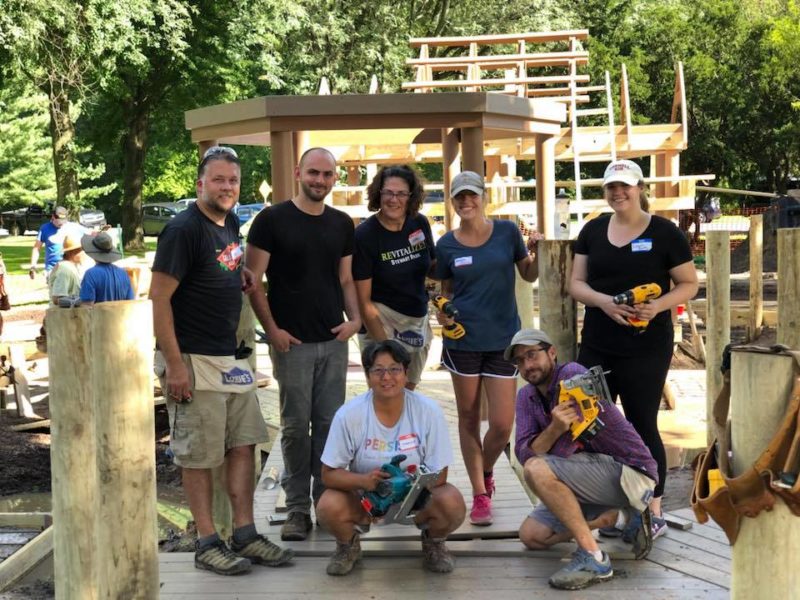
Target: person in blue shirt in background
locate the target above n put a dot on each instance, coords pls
(51, 236)
(105, 281)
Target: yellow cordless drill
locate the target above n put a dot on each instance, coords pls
(586, 390)
(638, 295)
(456, 330)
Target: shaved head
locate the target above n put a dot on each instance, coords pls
(323, 151)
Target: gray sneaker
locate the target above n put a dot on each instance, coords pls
(220, 559)
(582, 571)
(345, 557)
(260, 551)
(296, 527)
(436, 558)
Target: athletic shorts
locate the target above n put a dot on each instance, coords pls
(203, 430)
(473, 364)
(595, 481)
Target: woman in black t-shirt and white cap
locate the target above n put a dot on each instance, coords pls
(615, 253)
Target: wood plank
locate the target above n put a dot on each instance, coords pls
(14, 568)
(37, 520)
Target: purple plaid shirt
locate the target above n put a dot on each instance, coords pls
(618, 438)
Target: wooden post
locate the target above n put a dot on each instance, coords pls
(451, 166)
(22, 393)
(789, 287)
(282, 166)
(718, 315)
(557, 309)
(72, 453)
(756, 316)
(300, 143)
(203, 146)
(354, 178)
(764, 551)
(472, 149)
(122, 385)
(545, 169)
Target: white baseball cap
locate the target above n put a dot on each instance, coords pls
(467, 180)
(623, 171)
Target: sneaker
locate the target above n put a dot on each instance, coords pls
(435, 555)
(345, 557)
(481, 513)
(582, 571)
(488, 483)
(639, 532)
(260, 551)
(296, 527)
(220, 559)
(659, 527)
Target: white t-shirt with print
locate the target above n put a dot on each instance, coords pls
(359, 442)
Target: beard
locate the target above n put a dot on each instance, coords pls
(315, 194)
(538, 376)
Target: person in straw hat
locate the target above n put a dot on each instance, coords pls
(105, 281)
(65, 278)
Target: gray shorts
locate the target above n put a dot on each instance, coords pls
(595, 481)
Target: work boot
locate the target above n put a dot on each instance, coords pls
(296, 527)
(220, 559)
(639, 533)
(261, 551)
(436, 558)
(345, 557)
(582, 571)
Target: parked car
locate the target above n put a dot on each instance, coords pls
(158, 214)
(186, 201)
(31, 218)
(245, 212)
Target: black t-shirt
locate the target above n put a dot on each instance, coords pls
(206, 259)
(397, 262)
(612, 270)
(304, 292)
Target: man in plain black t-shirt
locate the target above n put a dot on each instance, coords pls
(306, 250)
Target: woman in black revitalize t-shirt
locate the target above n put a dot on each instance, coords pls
(615, 253)
(393, 255)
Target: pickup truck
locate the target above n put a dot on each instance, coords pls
(31, 218)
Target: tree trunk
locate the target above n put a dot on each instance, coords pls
(62, 135)
(134, 145)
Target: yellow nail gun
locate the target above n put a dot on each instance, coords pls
(586, 390)
(456, 330)
(638, 295)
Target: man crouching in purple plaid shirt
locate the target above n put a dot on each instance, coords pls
(606, 482)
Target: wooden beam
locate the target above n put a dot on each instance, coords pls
(14, 569)
(557, 309)
(509, 38)
(470, 82)
(73, 452)
(545, 185)
(472, 149)
(766, 543)
(789, 287)
(282, 166)
(756, 247)
(718, 318)
(451, 166)
(22, 393)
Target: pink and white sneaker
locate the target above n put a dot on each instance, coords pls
(481, 513)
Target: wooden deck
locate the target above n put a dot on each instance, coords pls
(491, 561)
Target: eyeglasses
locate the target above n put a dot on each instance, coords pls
(379, 372)
(389, 194)
(215, 150)
(528, 355)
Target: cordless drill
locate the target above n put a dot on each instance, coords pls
(638, 295)
(456, 330)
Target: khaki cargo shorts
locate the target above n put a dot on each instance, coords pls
(203, 430)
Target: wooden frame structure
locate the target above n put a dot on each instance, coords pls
(534, 115)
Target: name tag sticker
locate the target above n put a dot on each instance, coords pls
(416, 237)
(642, 245)
(463, 261)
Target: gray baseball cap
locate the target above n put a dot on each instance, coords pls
(467, 180)
(526, 337)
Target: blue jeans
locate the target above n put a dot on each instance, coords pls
(311, 387)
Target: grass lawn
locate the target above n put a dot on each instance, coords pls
(16, 252)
